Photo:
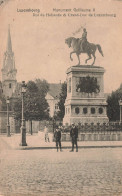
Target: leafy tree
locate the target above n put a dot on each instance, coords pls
(113, 109)
(35, 104)
(43, 86)
(62, 98)
(17, 107)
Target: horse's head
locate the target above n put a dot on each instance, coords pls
(68, 41)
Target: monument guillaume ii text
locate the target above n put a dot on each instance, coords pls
(85, 102)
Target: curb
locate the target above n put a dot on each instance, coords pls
(65, 147)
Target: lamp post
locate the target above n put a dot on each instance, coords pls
(120, 103)
(23, 128)
(8, 124)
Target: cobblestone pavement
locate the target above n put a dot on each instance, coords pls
(47, 172)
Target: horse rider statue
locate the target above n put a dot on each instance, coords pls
(83, 40)
(81, 45)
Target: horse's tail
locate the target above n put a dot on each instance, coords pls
(99, 49)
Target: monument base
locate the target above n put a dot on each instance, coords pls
(83, 104)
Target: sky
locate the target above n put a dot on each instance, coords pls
(38, 42)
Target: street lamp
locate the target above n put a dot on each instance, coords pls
(23, 128)
(8, 124)
(120, 103)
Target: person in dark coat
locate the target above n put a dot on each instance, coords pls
(74, 136)
(57, 135)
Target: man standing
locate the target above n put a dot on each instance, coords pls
(74, 136)
(57, 135)
(46, 134)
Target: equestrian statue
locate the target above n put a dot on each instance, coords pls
(81, 45)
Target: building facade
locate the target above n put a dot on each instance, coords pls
(52, 98)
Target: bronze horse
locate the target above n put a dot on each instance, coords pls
(88, 48)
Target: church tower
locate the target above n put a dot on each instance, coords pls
(9, 71)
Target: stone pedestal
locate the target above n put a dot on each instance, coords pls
(82, 107)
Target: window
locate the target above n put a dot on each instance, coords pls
(85, 110)
(92, 110)
(56, 107)
(100, 110)
(9, 85)
(77, 110)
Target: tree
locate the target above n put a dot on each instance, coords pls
(113, 109)
(62, 98)
(43, 86)
(35, 104)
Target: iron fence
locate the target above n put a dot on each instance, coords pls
(97, 128)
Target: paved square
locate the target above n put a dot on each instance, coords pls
(95, 171)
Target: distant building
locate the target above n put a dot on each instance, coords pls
(12, 89)
(52, 98)
(9, 71)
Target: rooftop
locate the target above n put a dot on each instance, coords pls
(55, 89)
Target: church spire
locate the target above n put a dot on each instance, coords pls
(9, 71)
(9, 44)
